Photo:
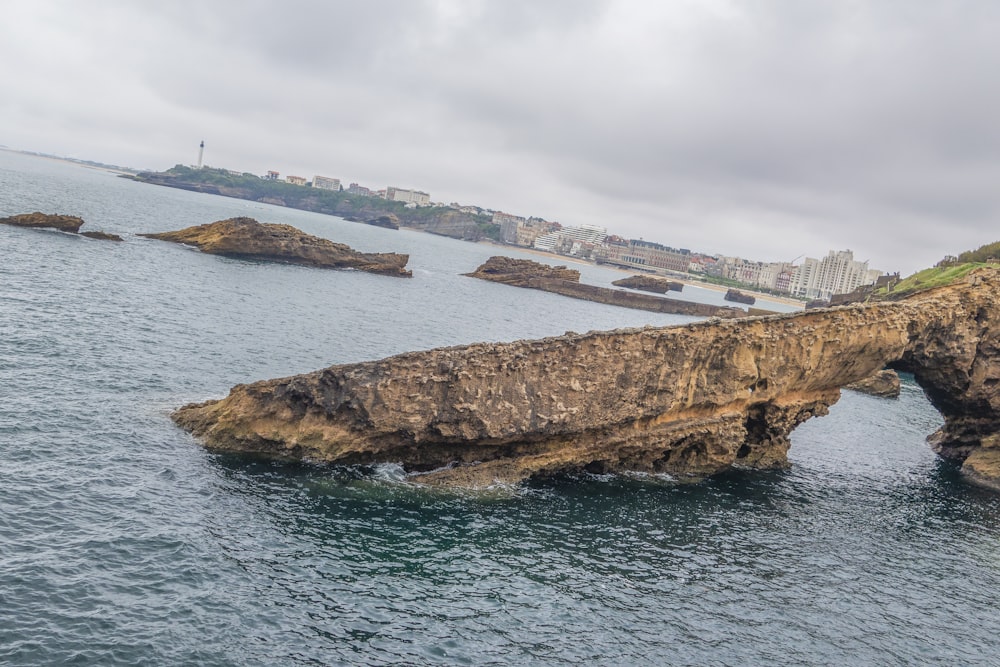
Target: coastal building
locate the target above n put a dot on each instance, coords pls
(509, 224)
(296, 180)
(532, 228)
(837, 273)
(636, 253)
(702, 264)
(581, 241)
(326, 183)
(767, 275)
(356, 189)
(585, 234)
(407, 196)
(272, 176)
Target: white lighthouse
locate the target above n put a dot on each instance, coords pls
(201, 152)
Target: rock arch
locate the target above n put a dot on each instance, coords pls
(688, 400)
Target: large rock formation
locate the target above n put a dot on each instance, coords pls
(560, 280)
(63, 223)
(245, 238)
(688, 400)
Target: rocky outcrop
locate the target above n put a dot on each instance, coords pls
(688, 400)
(245, 238)
(38, 220)
(560, 280)
(390, 221)
(649, 284)
(884, 384)
(62, 223)
(740, 297)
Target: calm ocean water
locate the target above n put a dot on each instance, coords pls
(122, 541)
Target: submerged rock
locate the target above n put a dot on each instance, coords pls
(884, 384)
(245, 238)
(102, 236)
(686, 400)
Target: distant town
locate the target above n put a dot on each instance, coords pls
(812, 279)
(816, 279)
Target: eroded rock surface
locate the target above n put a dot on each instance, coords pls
(560, 280)
(245, 238)
(689, 400)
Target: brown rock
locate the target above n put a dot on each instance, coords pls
(740, 297)
(649, 284)
(689, 400)
(37, 220)
(560, 280)
(390, 221)
(884, 384)
(102, 236)
(245, 238)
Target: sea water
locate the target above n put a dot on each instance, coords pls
(123, 541)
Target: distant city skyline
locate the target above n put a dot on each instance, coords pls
(770, 130)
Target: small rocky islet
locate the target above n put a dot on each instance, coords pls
(246, 238)
(652, 284)
(242, 238)
(64, 223)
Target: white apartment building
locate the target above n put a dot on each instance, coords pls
(585, 234)
(326, 183)
(575, 236)
(837, 273)
(408, 196)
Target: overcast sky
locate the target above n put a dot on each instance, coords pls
(767, 129)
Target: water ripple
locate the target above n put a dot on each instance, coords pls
(123, 542)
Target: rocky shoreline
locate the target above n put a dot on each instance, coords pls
(564, 281)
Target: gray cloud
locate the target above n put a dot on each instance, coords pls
(767, 129)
